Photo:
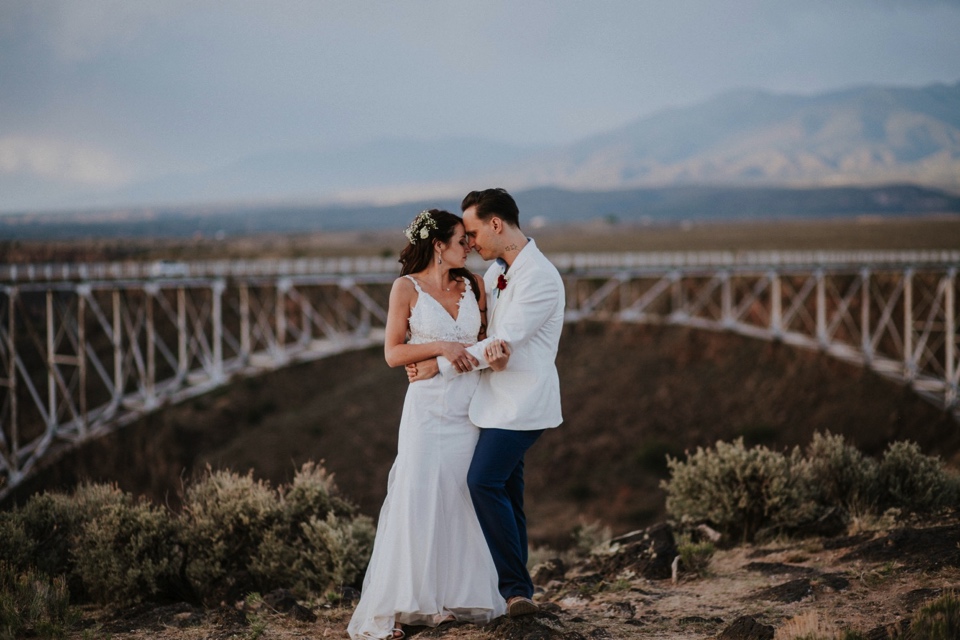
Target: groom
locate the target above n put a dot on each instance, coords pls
(513, 407)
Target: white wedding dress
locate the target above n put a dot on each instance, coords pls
(430, 559)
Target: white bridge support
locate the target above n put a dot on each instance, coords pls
(86, 349)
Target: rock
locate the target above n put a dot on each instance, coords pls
(747, 628)
(348, 596)
(552, 569)
(550, 607)
(647, 553)
(540, 626)
(280, 600)
(283, 601)
(913, 600)
(793, 591)
(835, 581)
(916, 549)
(889, 632)
(622, 609)
(707, 533)
(775, 568)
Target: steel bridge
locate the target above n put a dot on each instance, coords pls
(88, 348)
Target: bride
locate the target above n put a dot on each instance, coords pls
(430, 562)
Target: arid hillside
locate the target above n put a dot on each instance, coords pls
(632, 394)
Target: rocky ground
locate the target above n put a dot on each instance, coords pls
(870, 582)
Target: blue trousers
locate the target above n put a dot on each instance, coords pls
(495, 480)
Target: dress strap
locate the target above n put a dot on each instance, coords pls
(415, 283)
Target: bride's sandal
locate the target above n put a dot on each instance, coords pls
(398, 633)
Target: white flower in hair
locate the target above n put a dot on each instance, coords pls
(420, 227)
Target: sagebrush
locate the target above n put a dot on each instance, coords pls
(234, 535)
(744, 491)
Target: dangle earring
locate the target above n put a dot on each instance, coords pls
(439, 259)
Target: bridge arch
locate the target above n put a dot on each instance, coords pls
(87, 349)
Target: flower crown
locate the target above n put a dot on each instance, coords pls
(420, 227)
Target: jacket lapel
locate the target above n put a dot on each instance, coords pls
(522, 258)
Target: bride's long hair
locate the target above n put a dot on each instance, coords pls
(418, 253)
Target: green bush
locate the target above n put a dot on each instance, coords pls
(313, 493)
(225, 518)
(235, 535)
(31, 604)
(742, 491)
(939, 620)
(16, 547)
(129, 553)
(909, 480)
(317, 542)
(337, 550)
(736, 489)
(695, 556)
(241, 535)
(839, 475)
(43, 532)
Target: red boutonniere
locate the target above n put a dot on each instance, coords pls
(501, 282)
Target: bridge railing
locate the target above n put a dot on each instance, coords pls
(86, 349)
(567, 262)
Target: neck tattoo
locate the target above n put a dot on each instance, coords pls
(511, 247)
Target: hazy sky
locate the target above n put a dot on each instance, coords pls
(96, 94)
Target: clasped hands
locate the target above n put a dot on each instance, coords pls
(496, 353)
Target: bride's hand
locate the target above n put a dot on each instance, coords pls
(423, 370)
(458, 356)
(497, 353)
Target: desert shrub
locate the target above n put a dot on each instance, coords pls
(908, 479)
(736, 489)
(235, 535)
(337, 549)
(32, 604)
(744, 491)
(313, 493)
(224, 520)
(16, 547)
(317, 542)
(43, 532)
(129, 553)
(695, 555)
(838, 474)
(939, 620)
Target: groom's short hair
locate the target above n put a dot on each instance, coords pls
(493, 202)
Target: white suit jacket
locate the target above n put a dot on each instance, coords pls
(528, 315)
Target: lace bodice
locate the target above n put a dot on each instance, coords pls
(431, 322)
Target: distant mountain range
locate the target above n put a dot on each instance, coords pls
(689, 162)
(858, 136)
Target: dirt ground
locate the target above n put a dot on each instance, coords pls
(870, 582)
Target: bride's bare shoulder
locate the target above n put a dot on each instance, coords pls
(404, 286)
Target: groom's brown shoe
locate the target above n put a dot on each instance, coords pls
(519, 606)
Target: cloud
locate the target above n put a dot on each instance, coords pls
(60, 161)
(81, 31)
